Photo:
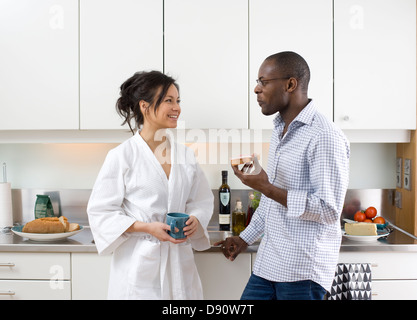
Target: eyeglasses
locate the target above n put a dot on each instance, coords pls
(263, 82)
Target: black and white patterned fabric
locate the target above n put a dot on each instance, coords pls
(352, 281)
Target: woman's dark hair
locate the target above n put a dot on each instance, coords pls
(142, 86)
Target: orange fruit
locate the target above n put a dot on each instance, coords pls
(370, 212)
(359, 216)
(379, 220)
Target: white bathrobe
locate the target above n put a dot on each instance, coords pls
(132, 185)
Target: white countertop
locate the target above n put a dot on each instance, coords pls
(83, 242)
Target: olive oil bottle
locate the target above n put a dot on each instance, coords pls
(238, 219)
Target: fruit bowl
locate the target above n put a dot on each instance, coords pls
(381, 226)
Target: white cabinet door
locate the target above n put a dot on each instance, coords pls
(223, 279)
(302, 26)
(375, 64)
(39, 64)
(394, 290)
(35, 265)
(35, 290)
(90, 276)
(33, 276)
(206, 51)
(117, 39)
(393, 265)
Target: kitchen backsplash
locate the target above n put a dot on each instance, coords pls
(72, 203)
(75, 166)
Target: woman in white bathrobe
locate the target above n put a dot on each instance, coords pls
(142, 180)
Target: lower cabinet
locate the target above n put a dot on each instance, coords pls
(35, 276)
(84, 276)
(35, 290)
(394, 274)
(394, 289)
(223, 279)
(90, 276)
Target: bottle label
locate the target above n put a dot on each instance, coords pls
(224, 198)
(224, 218)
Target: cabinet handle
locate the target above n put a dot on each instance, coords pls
(7, 264)
(374, 265)
(7, 293)
(346, 118)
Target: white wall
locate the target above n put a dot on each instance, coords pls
(75, 166)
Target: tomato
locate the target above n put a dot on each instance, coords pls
(359, 216)
(367, 220)
(379, 220)
(370, 212)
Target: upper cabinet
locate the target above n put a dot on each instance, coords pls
(63, 61)
(303, 26)
(117, 39)
(39, 64)
(375, 64)
(206, 51)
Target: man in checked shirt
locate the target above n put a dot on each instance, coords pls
(303, 190)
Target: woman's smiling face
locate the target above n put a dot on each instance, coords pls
(168, 112)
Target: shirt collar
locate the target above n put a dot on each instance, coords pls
(305, 116)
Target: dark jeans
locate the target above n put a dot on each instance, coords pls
(261, 289)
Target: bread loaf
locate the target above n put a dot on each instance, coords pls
(50, 225)
(64, 222)
(73, 227)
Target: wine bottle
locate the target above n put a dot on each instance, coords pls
(224, 204)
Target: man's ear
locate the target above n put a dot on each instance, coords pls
(292, 84)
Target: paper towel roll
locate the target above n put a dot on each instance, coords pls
(6, 212)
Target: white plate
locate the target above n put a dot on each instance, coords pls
(381, 233)
(44, 236)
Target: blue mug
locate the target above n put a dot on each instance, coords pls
(176, 219)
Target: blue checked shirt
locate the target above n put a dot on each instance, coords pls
(302, 241)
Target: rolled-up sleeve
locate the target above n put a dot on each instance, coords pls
(328, 157)
(256, 227)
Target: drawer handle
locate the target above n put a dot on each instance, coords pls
(374, 265)
(7, 264)
(7, 293)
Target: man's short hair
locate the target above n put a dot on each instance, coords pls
(291, 64)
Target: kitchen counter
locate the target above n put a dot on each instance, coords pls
(397, 240)
(80, 242)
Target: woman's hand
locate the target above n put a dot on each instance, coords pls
(159, 231)
(156, 229)
(192, 226)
